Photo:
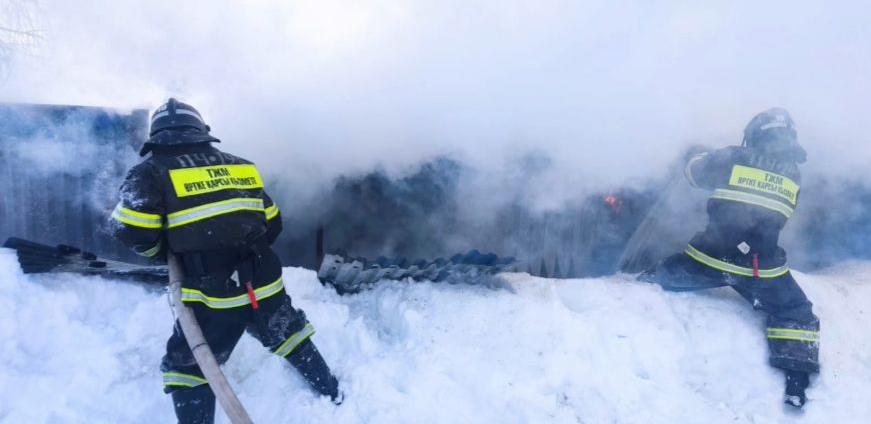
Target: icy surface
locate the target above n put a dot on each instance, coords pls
(86, 350)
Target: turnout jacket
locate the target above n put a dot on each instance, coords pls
(196, 200)
(753, 197)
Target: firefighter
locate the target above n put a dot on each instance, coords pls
(755, 191)
(209, 208)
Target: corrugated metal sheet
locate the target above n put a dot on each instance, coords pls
(60, 167)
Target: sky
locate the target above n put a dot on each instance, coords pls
(612, 91)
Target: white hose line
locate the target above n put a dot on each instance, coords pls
(200, 348)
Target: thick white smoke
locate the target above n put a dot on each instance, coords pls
(606, 93)
(610, 89)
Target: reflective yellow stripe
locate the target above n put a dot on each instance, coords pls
(136, 218)
(271, 212)
(193, 295)
(753, 199)
(732, 268)
(207, 179)
(764, 182)
(150, 252)
(294, 340)
(182, 380)
(210, 210)
(794, 334)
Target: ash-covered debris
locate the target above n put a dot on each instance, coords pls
(355, 274)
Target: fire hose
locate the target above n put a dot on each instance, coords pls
(200, 348)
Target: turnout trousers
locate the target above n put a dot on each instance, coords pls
(280, 327)
(793, 329)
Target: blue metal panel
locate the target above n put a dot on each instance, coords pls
(60, 167)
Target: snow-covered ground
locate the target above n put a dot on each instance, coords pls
(610, 350)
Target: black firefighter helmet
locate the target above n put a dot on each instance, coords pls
(773, 133)
(176, 123)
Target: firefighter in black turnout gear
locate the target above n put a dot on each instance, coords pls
(209, 207)
(755, 191)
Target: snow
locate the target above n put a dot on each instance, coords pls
(77, 349)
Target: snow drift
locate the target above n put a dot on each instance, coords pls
(77, 349)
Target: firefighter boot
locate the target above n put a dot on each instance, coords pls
(309, 362)
(195, 405)
(796, 383)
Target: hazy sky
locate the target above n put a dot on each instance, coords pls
(611, 89)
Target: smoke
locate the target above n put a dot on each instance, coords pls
(590, 95)
(60, 168)
(18, 33)
(331, 86)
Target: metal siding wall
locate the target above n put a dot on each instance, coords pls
(6, 211)
(59, 207)
(70, 205)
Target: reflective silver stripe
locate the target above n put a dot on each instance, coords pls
(732, 268)
(794, 334)
(753, 199)
(688, 171)
(159, 115)
(182, 380)
(193, 295)
(293, 341)
(776, 124)
(209, 210)
(150, 252)
(191, 113)
(136, 218)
